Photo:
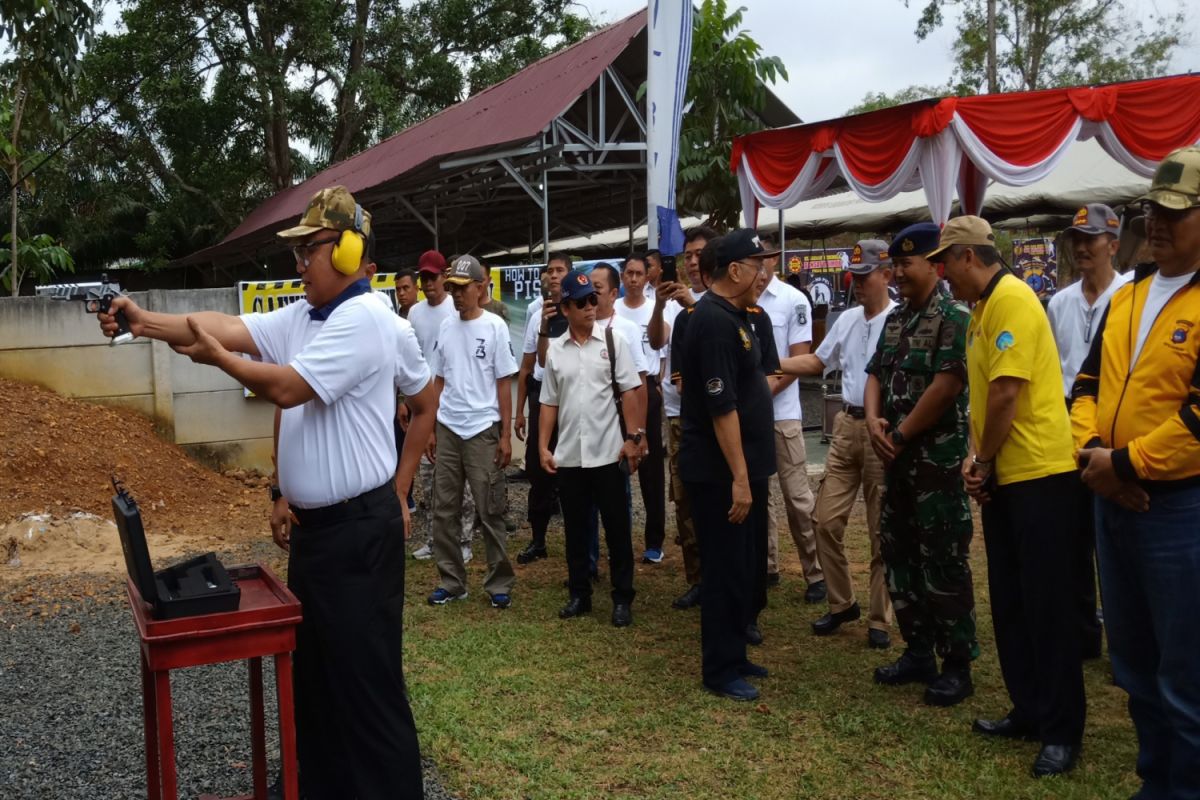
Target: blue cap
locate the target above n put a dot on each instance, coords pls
(920, 239)
(576, 285)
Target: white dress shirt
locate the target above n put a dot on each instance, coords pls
(791, 322)
(849, 345)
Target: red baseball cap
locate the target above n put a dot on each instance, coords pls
(431, 261)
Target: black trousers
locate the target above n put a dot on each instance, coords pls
(543, 487)
(1091, 632)
(581, 489)
(355, 735)
(760, 518)
(727, 568)
(1031, 534)
(650, 472)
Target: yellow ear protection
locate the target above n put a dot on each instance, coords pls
(348, 251)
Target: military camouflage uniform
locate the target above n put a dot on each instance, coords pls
(925, 528)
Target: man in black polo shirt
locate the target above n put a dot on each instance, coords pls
(726, 456)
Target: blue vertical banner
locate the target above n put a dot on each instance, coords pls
(670, 53)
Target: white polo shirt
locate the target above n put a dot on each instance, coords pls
(412, 370)
(533, 321)
(427, 321)
(671, 398)
(640, 316)
(342, 442)
(631, 334)
(1075, 323)
(849, 345)
(471, 355)
(579, 383)
(791, 322)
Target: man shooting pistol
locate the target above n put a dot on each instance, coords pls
(97, 299)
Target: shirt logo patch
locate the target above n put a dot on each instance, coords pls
(1179, 336)
(745, 338)
(604, 354)
(715, 386)
(802, 314)
(1005, 341)
(480, 349)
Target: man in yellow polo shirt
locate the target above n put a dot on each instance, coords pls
(1021, 469)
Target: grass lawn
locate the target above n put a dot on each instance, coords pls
(518, 704)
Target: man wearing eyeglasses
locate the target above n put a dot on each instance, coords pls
(1136, 414)
(1075, 313)
(851, 462)
(590, 460)
(330, 363)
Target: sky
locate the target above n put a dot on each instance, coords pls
(837, 52)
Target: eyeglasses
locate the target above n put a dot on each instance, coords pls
(583, 302)
(1153, 210)
(303, 252)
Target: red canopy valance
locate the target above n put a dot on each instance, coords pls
(959, 144)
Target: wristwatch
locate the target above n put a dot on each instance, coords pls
(275, 493)
(898, 437)
(636, 438)
(980, 463)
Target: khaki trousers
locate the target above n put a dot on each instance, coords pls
(462, 462)
(794, 493)
(851, 463)
(685, 531)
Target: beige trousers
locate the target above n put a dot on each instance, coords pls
(792, 494)
(851, 463)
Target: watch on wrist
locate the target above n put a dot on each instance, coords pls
(977, 461)
(636, 438)
(275, 493)
(898, 437)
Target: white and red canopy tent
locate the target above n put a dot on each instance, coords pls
(958, 145)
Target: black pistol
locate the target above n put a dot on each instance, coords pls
(97, 298)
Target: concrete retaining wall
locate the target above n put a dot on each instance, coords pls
(57, 345)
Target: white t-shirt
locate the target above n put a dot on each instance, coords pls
(533, 322)
(791, 322)
(671, 399)
(631, 334)
(640, 316)
(412, 370)
(849, 345)
(471, 355)
(427, 321)
(342, 442)
(1161, 291)
(1075, 323)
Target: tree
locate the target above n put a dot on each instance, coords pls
(1045, 43)
(873, 101)
(40, 256)
(726, 91)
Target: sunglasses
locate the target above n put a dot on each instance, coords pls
(303, 252)
(583, 302)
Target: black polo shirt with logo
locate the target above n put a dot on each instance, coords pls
(723, 364)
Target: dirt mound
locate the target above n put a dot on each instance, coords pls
(79, 542)
(57, 455)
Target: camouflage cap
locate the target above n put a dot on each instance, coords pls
(1176, 183)
(464, 270)
(329, 209)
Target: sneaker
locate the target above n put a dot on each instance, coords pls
(466, 553)
(423, 553)
(501, 601)
(652, 556)
(439, 597)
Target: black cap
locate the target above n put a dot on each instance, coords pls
(739, 244)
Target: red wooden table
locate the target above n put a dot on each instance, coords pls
(264, 625)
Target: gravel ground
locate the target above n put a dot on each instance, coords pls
(71, 710)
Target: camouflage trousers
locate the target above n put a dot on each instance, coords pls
(925, 538)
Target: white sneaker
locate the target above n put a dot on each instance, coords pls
(423, 553)
(466, 553)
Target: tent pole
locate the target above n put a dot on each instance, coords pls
(437, 245)
(782, 237)
(545, 204)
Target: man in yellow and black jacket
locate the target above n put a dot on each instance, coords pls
(1136, 418)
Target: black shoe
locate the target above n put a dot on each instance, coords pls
(736, 689)
(531, 553)
(951, 687)
(576, 606)
(689, 599)
(622, 616)
(751, 670)
(772, 579)
(833, 620)
(753, 634)
(1055, 759)
(878, 640)
(1006, 728)
(908, 668)
(815, 593)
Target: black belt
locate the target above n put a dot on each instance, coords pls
(857, 412)
(651, 381)
(347, 509)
